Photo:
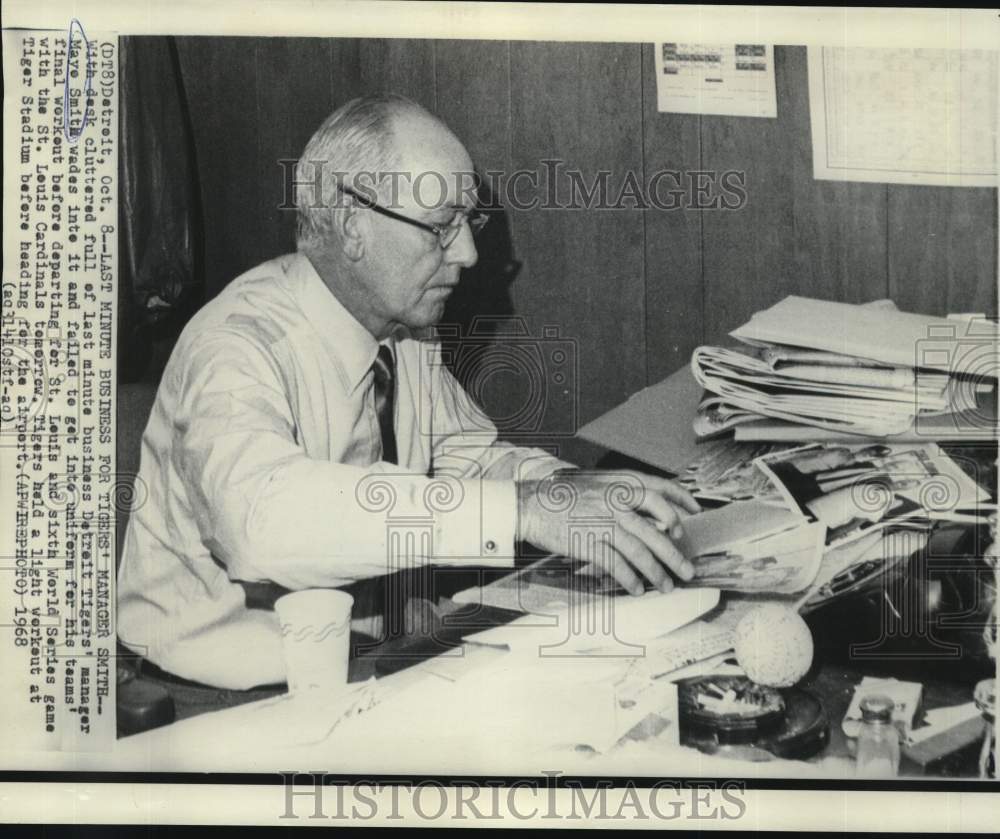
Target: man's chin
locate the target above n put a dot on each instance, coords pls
(428, 315)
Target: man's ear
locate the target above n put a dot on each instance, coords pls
(350, 226)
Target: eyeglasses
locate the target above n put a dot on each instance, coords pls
(446, 233)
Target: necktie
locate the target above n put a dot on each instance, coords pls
(391, 592)
(384, 371)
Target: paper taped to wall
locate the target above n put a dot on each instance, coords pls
(719, 79)
(904, 116)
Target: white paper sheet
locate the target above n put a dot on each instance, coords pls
(904, 116)
(719, 79)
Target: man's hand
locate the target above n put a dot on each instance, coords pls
(645, 514)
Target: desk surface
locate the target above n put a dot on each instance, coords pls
(416, 722)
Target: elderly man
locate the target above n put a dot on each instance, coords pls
(303, 400)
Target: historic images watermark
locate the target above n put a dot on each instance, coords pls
(552, 185)
(968, 352)
(542, 371)
(322, 796)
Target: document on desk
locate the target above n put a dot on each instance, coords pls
(858, 490)
(904, 116)
(871, 370)
(851, 565)
(727, 472)
(874, 332)
(613, 626)
(718, 79)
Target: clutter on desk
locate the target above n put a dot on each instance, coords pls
(985, 700)
(753, 546)
(855, 490)
(877, 753)
(905, 697)
(532, 703)
(725, 471)
(856, 565)
(866, 370)
(603, 625)
(944, 731)
(877, 502)
(733, 715)
(773, 645)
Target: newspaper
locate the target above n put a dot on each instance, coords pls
(868, 369)
(856, 490)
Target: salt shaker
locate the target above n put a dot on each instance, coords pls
(878, 740)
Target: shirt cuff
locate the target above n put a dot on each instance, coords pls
(480, 529)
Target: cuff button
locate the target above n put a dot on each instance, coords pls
(490, 546)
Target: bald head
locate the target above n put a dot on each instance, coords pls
(388, 147)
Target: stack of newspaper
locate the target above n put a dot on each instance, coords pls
(867, 370)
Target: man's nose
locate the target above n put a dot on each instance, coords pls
(463, 250)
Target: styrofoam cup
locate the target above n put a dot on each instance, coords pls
(315, 637)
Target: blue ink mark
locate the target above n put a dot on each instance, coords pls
(71, 135)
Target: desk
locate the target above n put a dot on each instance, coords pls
(652, 432)
(832, 678)
(413, 721)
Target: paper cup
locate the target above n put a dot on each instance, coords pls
(315, 637)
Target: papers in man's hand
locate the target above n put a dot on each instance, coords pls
(870, 370)
(753, 546)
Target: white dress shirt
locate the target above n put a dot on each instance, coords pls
(260, 462)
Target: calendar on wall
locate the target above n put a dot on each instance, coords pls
(723, 80)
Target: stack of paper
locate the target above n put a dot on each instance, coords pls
(725, 471)
(828, 518)
(856, 490)
(869, 370)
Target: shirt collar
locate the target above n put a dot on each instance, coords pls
(351, 345)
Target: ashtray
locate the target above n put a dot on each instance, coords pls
(718, 713)
(734, 706)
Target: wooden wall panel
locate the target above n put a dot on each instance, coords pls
(796, 235)
(942, 249)
(399, 65)
(473, 98)
(345, 70)
(220, 80)
(837, 251)
(636, 289)
(675, 317)
(583, 268)
(749, 258)
(286, 121)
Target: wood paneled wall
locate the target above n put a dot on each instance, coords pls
(636, 289)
